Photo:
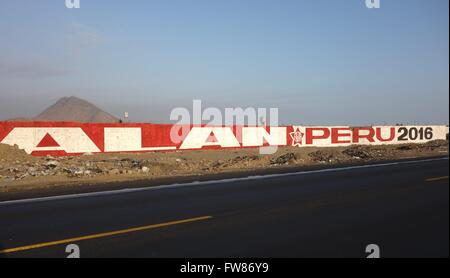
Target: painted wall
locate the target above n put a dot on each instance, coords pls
(70, 138)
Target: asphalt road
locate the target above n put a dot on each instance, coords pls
(402, 207)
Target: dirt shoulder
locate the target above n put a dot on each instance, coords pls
(20, 172)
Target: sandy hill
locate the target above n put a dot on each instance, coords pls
(77, 110)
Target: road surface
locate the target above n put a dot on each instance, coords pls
(403, 207)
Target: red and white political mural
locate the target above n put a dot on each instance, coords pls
(67, 138)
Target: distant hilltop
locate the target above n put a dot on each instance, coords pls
(73, 109)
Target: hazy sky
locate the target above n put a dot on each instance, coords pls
(318, 61)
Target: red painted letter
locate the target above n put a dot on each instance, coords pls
(310, 134)
(335, 135)
(391, 136)
(357, 136)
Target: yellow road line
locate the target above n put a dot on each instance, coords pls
(100, 235)
(437, 179)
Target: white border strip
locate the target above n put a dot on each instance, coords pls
(197, 183)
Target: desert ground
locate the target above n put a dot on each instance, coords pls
(20, 171)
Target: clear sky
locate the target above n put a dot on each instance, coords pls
(318, 61)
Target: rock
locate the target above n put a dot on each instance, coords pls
(32, 171)
(78, 172)
(52, 164)
(114, 172)
(243, 159)
(19, 177)
(432, 145)
(135, 163)
(49, 157)
(88, 154)
(96, 170)
(321, 156)
(73, 172)
(216, 164)
(357, 152)
(145, 169)
(284, 159)
(404, 148)
(68, 170)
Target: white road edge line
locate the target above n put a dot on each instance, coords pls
(197, 183)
